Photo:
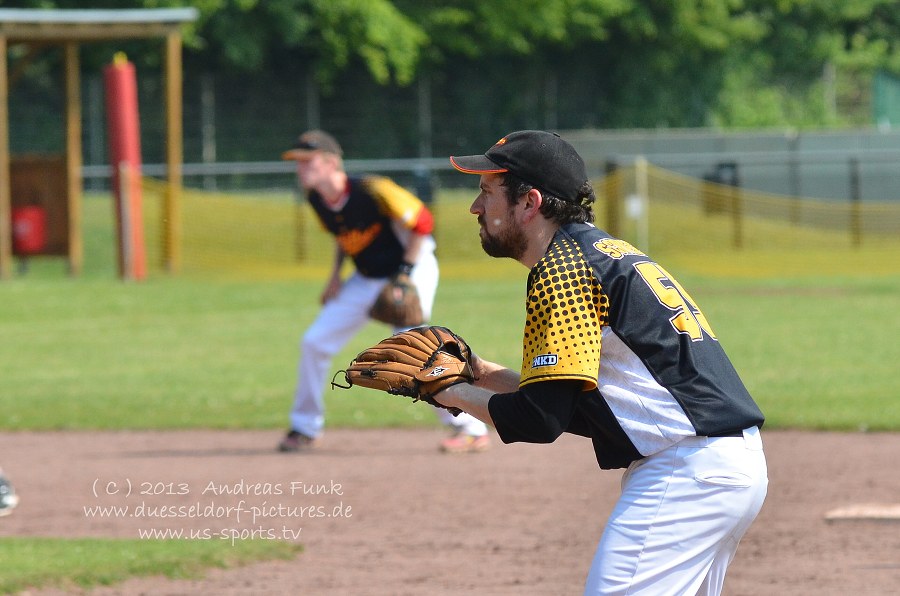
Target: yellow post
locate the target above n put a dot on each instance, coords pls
(856, 224)
(172, 203)
(641, 208)
(737, 216)
(73, 157)
(613, 191)
(299, 227)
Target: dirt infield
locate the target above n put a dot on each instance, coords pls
(382, 512)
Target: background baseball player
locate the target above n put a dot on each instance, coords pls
(616, 350)
(384, 229)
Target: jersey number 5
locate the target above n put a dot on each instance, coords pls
(687, 318)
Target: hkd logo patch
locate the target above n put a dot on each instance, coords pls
(544, 360)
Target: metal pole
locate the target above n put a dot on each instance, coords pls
(794, 169)
(855, 200)
(313, 113)
(422, 172)
(551, 101)
(208, 125)
(125, 221)
(95, 127)
(737, 216)
(425, 117)
(642, 190)
(613, 200)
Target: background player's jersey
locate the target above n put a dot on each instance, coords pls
(602, 312)
(373, 225)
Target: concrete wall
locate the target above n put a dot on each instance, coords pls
(822, 164)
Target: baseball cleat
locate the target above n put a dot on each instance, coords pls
(8, 497)
(295, 441)
(462, 443)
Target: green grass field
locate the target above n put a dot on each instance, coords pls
(174, 353)
(811, 328)
(78, 564)
(808, 321)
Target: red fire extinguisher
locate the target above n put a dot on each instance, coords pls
(29, 229)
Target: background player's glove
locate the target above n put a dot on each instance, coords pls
(398, 303)
(419, 363)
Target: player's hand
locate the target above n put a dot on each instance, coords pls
(478, 366)
(492, 376)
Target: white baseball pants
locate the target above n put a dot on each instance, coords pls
(680, 517)
(338, 321)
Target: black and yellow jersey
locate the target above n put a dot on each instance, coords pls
(372, 226)
(603, 314)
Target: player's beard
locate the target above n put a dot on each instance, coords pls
(510, 241)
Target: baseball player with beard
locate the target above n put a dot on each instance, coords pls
(383, 229)
(616, 350)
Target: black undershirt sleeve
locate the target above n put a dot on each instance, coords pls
(538, 412)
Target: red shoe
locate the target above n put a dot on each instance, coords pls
(462, 443)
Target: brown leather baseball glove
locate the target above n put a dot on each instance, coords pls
(398, 303)
(419, 363)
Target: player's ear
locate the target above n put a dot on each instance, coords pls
(531, 204)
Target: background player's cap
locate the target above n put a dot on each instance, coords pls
(310, 142)
(542, 159)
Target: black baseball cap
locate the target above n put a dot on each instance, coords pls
(310, 142)
(542, 159)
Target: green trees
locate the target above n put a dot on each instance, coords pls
(645, 63)
(629, 63)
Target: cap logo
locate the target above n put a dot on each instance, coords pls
(500, 142)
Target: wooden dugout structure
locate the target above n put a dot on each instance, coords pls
(38, 30)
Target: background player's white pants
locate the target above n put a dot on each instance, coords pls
(680, 518)
(338, 321)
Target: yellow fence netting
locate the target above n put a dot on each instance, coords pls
(700, 222)
(742, 211)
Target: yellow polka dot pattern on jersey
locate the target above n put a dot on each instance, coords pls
(566, 311)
